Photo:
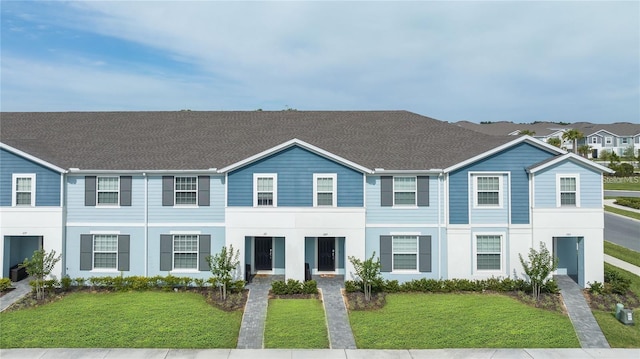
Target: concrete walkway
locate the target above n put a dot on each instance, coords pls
(22, 288)
(340, 334)
(611, 202)
(585, 325)
(318, 354)
(255, 313)
(622, 264)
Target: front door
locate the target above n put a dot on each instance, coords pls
(263, 253)
(326, 254)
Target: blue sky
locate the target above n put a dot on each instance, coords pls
(476, 61)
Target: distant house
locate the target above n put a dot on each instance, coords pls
(155, 193)
(616, 137)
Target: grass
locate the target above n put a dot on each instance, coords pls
(622, 212)
(122, 320)
(422, 321)
(295, 323)
(622, 184)
(619, 335)
(622, 253)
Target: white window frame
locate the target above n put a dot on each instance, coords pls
(394, 252)
(98, 191)
(475, 177)
(415, 192)
(176, 191)
(94, 252)
(174, 252)
(274, 191)
(334, 190)
(489, 272)
(608, 140)
(559, 189)
(625, 141)
(14, 189)
(594, 140)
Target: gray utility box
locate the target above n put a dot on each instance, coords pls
(625, 316)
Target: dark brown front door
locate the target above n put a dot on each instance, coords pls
(326, 254)
(264, 253)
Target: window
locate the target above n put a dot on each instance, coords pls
(24, 186)
(568, 190)
(625, 140)
(608, 140)
(324, 189)
(404, 191)
(185, 251)
(594, 139)
(186, 191)
(405, 252)
(108, 190)
(488, 252)
(265, 190)
(488, 191)
(105, 251)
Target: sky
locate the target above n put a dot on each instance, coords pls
(520, 61)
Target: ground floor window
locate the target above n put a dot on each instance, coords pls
(488, 252)
(185, 251)
(105, 251)
(405, 252)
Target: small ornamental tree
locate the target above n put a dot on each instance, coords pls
(40, 266)
(222, 266)
(539, 267)
(368, 271)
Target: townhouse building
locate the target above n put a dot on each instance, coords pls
(155, 193)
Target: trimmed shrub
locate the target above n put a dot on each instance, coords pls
(352, 286)
(310, 287)
(79, 282)
(279, 287)
(65, 283)
(5, 283)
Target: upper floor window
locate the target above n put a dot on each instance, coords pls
(324, 189)
(488, 190)
(265, 190)
(488, 252)
(108, 190)
(625, 140)
(404, 191)
(105, 251)
(405, 252)
(24, 189)
(594, 139)
(568, 190)
(186, 190)
(608, 140)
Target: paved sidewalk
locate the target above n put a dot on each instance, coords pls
(255, 313)
(585, 325)
(622, 264)
(610, 202)
(22, 288)
(317, 354)
(340, 334)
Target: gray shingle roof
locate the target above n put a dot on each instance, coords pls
(547, 128)
(201, 140)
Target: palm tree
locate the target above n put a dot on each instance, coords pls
(584, 150)
(554, 141)
(527, 132)
(573, 135)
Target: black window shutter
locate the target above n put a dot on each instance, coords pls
(167, 191)
(204, 250)
(166, 252)
(123, 252)
(90, 190)
(424, 247)
(86, 251)
(203, 190)
(423, 191)
(386, 191)
(125, 190)
(386, 253)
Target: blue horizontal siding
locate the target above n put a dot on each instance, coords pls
(47, 180)
(170, 214)
(376, 214)
(78, 212)
(295, 167)
(514, 160)
(590, 185)
(487, 215)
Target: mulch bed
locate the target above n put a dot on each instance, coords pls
(607, 302)
(234, 301)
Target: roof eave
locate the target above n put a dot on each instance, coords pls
(32, 158)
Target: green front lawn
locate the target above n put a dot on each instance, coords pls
(622, 253)
(619, 335)
(122, 320)
(622, 184)
(295, 323)
(422, 321)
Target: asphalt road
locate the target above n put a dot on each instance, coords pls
(608, 193)
(622, 231)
